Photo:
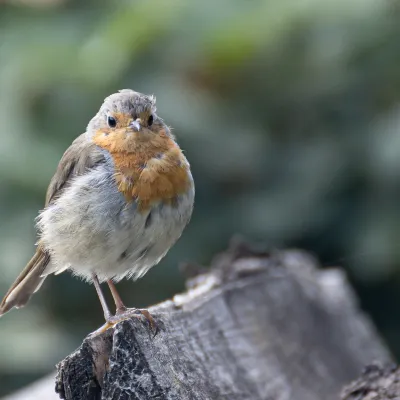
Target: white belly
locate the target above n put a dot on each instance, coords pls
(91, 229)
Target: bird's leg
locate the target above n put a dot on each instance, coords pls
(104, 306)
(125, 313)
(107, 313)
(117, 298)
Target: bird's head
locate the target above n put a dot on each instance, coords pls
(128, 116)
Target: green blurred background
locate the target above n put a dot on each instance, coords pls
(289, 112)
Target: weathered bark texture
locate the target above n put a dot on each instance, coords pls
(378, 382)
(257, 326)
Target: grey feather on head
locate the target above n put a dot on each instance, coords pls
(125, 101)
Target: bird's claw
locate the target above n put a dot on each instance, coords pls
(123, 314)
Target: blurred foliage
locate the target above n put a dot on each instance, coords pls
(289, 114)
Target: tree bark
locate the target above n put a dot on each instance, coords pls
(256, 326)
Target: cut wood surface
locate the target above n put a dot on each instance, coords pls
(377, 382)
(258, 325)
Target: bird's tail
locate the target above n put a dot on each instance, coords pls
(27, 283)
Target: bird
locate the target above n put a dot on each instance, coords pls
(120, 198)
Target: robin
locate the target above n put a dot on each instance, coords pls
(120, 198)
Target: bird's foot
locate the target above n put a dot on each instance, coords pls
(101, 330)
(123, 314)
(126, 313)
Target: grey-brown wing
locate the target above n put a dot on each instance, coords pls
(82, 155)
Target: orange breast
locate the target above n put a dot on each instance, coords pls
(147, 170)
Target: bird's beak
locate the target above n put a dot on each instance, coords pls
(136, 125)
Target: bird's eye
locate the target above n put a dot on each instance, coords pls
(111, 121)
(150, 121)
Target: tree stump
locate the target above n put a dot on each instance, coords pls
(378, 382)
(258, 325)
